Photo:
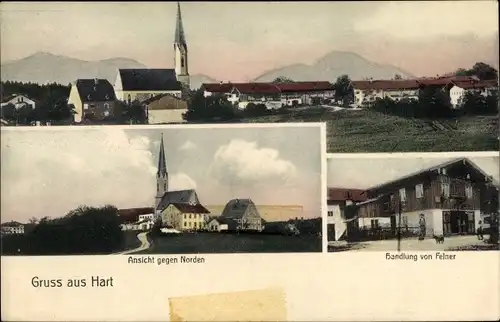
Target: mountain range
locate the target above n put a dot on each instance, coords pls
(45, 67)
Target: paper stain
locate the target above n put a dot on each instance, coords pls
(245, 306)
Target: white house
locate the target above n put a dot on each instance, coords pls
(217, 224)
(12, 227)
(18, 101)
(459, 89)
(338, 199)
(366, 92)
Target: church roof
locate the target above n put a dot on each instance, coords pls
(180, 37)
(236, 208)
(149, 80)
(192, 209)
(179, 196)
(95, 90)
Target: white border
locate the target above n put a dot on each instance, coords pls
(377, 155)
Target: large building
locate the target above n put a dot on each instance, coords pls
(179, 209)
(141, 84)
(242, 215)
(452, 197)
(272, 95)
(93, 99)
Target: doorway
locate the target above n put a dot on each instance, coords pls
(458, 223)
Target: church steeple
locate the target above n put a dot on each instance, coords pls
(179, 29)
(161, 175)
(181, 51)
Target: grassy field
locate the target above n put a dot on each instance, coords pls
(206, 243)
(350, 131)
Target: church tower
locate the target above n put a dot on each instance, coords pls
(181, 51)
(161, 176)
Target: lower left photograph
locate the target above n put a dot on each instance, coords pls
(177, 189)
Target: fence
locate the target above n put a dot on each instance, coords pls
(380, 233)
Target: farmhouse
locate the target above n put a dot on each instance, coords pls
(165, 108)
(184, 217)
(136, 218)
(18, 101)
(450, 196)
(243, 214)
(338, 199)
(93, 99)
(458, 90)
(12, 228)
(366, 92)
(272, 95)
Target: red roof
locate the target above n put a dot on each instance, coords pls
(476, 84)
(305, 86)
(257, 88)
(191, 209)
(386, 84)
(217, 87)
(443, 81)
(341, 194)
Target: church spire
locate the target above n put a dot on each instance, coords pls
(179, 29)
(162, 163)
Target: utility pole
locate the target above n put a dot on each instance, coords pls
(399, 225)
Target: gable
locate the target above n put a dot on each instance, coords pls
(251, 211)
(95, 90)
(149, 80)
(180, 196)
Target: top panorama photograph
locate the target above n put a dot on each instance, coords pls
(384, 76)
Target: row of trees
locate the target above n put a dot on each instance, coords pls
(480, 70)
(85, 230)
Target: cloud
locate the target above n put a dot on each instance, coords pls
(181, 181)
(242, 162)
(188, 145)
(51, 172)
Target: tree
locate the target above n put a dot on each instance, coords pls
(343, 89)
(9, 112)
(484, 71)
(215, 107)
(282, 80)
(433, 103)
(255, 109)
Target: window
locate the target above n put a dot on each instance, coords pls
(445, 189)
(106, 106)
(470, 223)
(374, 223)
(106, 113)
(330, 213)
(184, 216)
(85, 106)
(468, 192)
(182, 62)
(165, 186)
(446, 223)
(129, 98)
(402, 194)
(185, 224)
(419, 191)
(189, 216)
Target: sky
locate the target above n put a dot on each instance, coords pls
(365, 172)
(241, 40)
(51, 172)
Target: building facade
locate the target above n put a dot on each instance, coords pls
(367, 92)
(458, 90)
(92, 99)
(449, 196)
(185, 217)
(18, 101)
(243, 215)
(338, 200)
(165, 108)
(12, 228)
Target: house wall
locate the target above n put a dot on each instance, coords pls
(99, 110)
(166, 116)
(74, 98)
(335, 220)
(140, 96)
(19, 101)
(366, 223)
(456, 96)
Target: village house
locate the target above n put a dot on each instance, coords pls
(185, 217)
(165, 108)
(12, 228)
(220, 224)
(338, 199)
(458, 90)
(136, 218)
(18, 101)
(92, 99)
(450, 196)
(272, 95)
(242, 214)
(367, 92)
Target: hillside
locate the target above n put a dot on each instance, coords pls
(332, 65)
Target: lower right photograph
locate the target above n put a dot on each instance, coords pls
(413, 202)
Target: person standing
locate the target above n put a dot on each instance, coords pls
(421, 223)
(480, 231)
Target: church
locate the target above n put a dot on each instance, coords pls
(142, 84)
(179, 209)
